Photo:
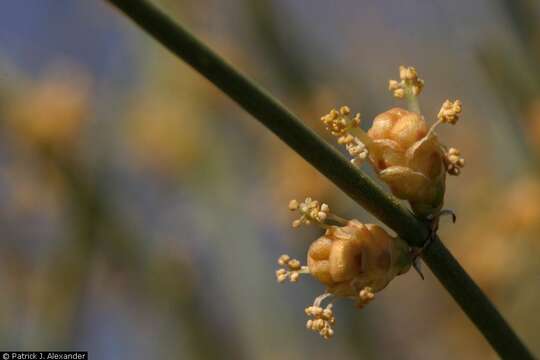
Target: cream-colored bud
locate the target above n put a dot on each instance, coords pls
(356, 120)
(318, 324)
(366, 294)
(393, 85)
(454, 162)
(450, 111)
(417, 89)
(293, 205)
(411, 74)
(294, 264)
(410, 83)
(327, 314)
(283, 259)
(346, 139)
(294, 276)
(402, 72)
(399, 93)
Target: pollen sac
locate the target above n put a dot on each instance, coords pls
(349, 258)
(409, 158)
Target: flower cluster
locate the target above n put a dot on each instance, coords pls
(353, 260)
(409, 83)
(321, 320)
(340, 124)
(450, 111)
(364, 297)
(291, 269)
(454, 162)
(404, 150)
(310, 210)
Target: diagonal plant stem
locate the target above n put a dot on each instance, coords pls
(334, 166)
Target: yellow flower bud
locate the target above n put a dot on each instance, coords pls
(393, 85)
(293, 205)
(409, 158)
(283, 259)
(354, 256)
(294, 264)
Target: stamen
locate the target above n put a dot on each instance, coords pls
(454, 163)
(340, 125)
(311, 211)
(410, 87)
(292, 269)
(365, 296)
(450, 111)
(321, 320)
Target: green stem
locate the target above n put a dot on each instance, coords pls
(412, 101)
(334, 166)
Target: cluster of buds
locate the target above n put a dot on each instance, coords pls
(353, 260)
(321, 319)
(339, 122)
(410, 83)
(357, 150)
(454, 162)
(450, 111)
(310, 210)
(291, 269)
(405, 151)
(365, 296)
(340, 125)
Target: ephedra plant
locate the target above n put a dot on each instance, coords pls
(356, 260)
(416, 229)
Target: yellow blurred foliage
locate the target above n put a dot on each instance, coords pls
(165, 136)
(51, 111)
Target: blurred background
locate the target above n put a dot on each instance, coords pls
(142, 212)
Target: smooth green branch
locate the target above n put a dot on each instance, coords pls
(277, 118)
(333, 165)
